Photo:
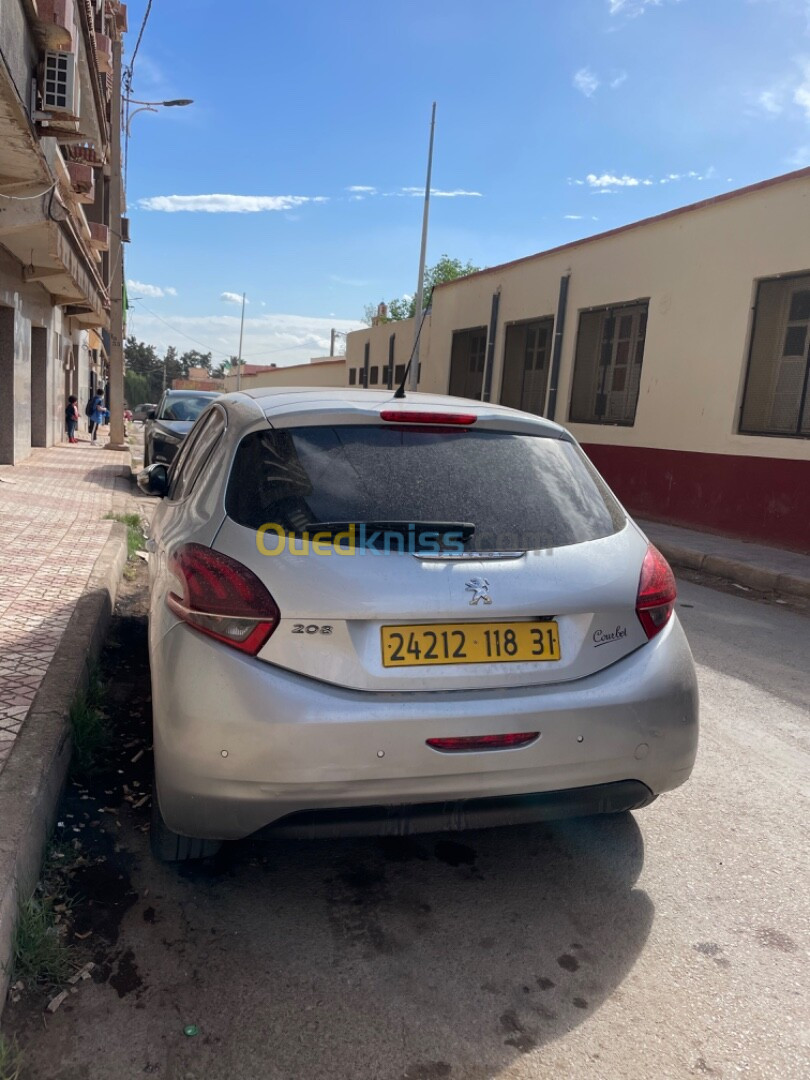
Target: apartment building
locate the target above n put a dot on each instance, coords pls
(676, 349)
(56, 89)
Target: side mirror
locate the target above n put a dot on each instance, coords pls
(154, 480)
(151, 414)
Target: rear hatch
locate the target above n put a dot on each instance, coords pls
(434, 556)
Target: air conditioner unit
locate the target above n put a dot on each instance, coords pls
(58, 84)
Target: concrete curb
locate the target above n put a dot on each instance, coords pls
(33, 778)
(740, 573)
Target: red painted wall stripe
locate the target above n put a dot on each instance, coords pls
(753, 498)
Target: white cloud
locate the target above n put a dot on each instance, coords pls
(155, 292)
(362, 189)
(801, 94)
(617, 80)
(800, 158)
(574, 217)
(438, 193)
(586, 81)
(631, 8)
(609, 183)
(771, 101)
(609, 180)
(268, 338)
(225, 204)
(232, 298)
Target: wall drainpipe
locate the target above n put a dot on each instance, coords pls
(486, 393)
(559, 330)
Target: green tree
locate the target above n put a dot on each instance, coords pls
(226, 367)
(446, 269)
(193, 358)
(136, 389)
(139, 357)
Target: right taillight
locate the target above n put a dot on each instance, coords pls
(221, 598)
(656, 592)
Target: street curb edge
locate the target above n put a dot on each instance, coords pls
(34, 776)
(735, 571)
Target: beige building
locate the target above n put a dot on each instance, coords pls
(56, 88)
(675, 349)
(320, 371)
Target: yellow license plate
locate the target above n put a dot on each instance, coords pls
(470, 643)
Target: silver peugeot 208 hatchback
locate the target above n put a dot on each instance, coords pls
(372, 615)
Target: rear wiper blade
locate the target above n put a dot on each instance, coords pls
(465, 528)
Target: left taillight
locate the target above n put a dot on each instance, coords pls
(221, 598)
(656, 592)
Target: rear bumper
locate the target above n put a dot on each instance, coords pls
(241, 744)
(465, 814)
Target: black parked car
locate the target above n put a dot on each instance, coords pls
(171, 421)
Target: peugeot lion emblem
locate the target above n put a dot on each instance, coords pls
(479, 587)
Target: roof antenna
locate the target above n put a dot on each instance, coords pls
(400, 391)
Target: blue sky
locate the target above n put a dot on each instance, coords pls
(556, 119)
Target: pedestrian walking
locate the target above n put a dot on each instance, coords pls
(72, 418)
(96, 411)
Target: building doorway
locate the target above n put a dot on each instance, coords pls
(526, 365)
(467, 362)
(7, 417)
(40, 413)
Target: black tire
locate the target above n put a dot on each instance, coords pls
(171, 847)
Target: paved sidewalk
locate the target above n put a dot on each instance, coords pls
(756, 566)
(52, 531)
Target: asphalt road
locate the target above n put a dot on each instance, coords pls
(673, 942)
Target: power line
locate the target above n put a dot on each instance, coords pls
(131, 66)
(208, 348)
(28, 198)
(202, 345)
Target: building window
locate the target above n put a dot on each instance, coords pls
(607, 367)
(352, 376)
(373, 376)
(777, 398)
(526, 364)
(399, 373)
(467, 358)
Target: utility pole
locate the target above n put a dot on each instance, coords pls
(413, 375)
(239, 358)
(332, 342)
(116, 382)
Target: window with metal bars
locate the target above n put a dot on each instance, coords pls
(607, 366)
(776, 400)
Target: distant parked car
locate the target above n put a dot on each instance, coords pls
(381, 616)
(171, 421)
(141, 412)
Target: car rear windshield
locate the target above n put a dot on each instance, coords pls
(184, 408)
(520, 492)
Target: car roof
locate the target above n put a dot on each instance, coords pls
(193, 393)
(363, 404)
